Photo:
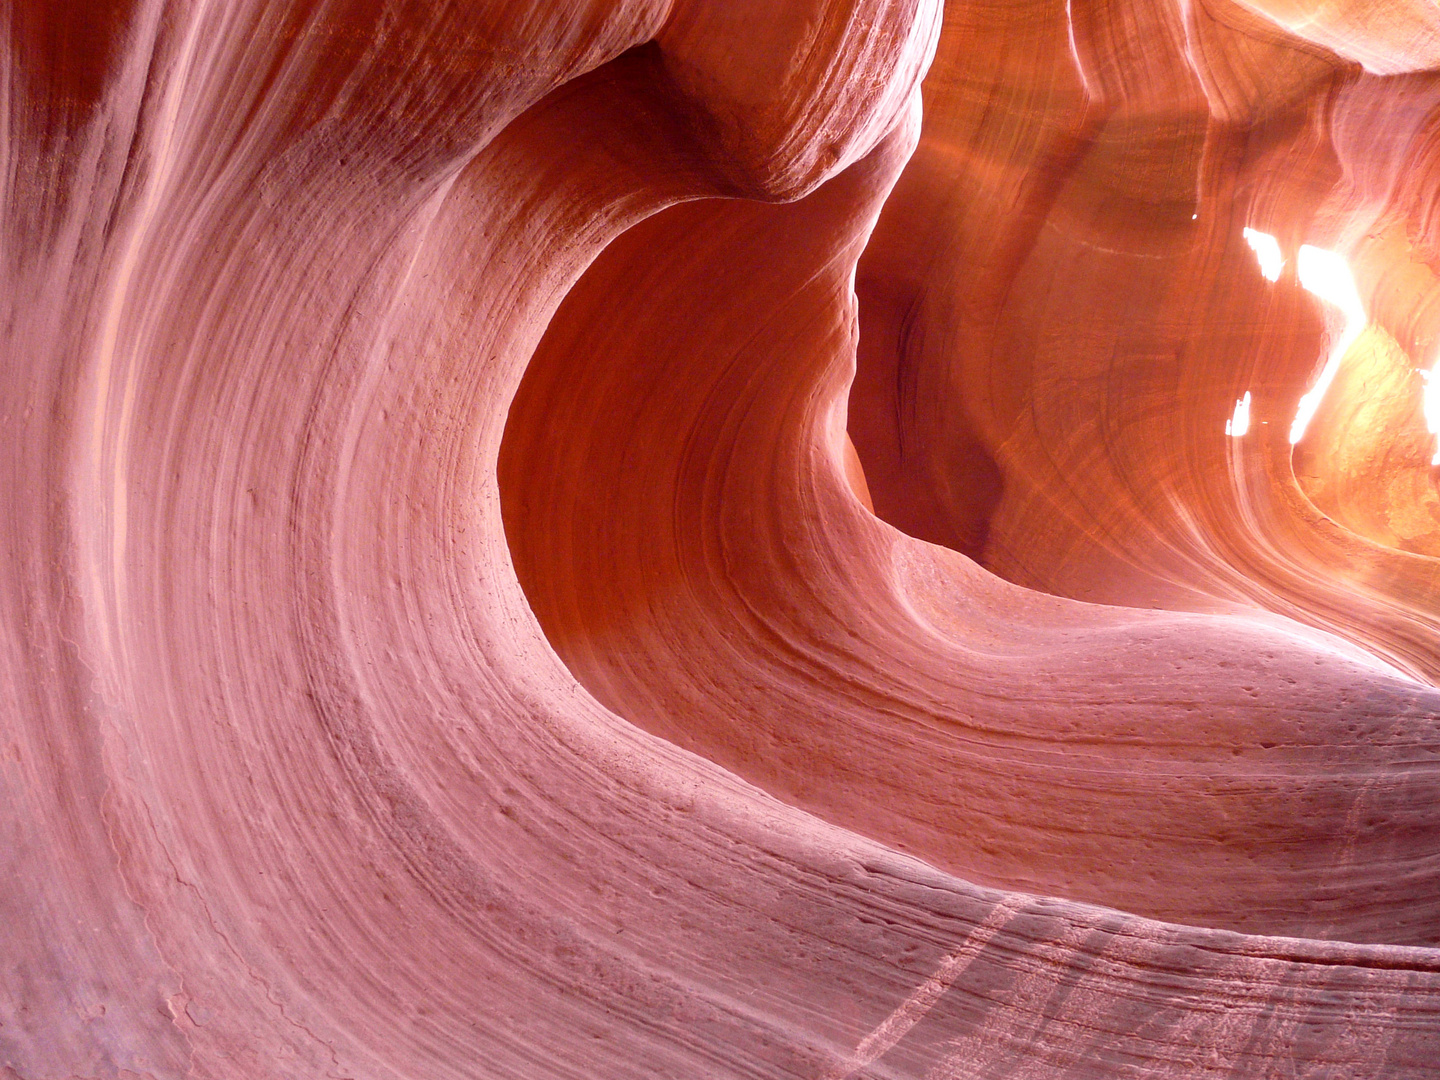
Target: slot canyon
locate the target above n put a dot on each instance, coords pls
(818, 539)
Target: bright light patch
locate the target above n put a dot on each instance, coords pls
(1431, 404)
(1328, 276)
(1239, 424)
(1267, 250)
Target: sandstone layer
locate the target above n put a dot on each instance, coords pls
(699, 538)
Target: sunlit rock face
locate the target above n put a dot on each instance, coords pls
(718, 538)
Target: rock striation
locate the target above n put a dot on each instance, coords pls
(701, 538)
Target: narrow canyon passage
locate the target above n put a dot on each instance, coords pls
(678, 517)
(444, 632)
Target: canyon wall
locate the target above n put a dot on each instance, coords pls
(714, 538)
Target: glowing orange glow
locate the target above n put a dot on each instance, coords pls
(1267, 251)
(1239, 424)
(1430, 402)
(1327, 275)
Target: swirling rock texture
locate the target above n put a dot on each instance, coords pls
(447, 628)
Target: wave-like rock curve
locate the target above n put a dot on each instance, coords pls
(446, 632)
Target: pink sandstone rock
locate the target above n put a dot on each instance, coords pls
(445, 628)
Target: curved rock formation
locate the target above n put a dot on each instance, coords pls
(446, 629)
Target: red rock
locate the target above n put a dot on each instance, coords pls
(342, 739)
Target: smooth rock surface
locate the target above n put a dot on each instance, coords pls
(444, 631)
